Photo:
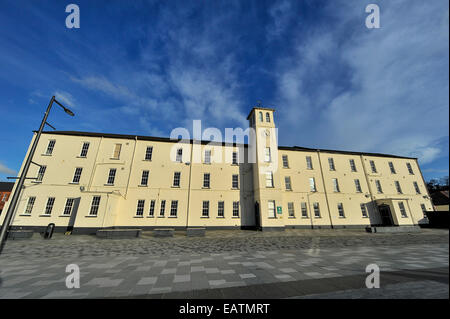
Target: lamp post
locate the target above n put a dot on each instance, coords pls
(15, 197)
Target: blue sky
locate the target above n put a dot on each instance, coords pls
(146, 67)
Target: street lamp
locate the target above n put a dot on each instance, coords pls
(15, 197)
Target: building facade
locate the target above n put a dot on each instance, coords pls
(89, 181)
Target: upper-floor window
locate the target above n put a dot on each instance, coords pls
(140, 207)
(331, 164)
(285, 161)
(416, 187)
(30, 205)
(378, 185)
(358, 186)
(312, 184)
(205, 208)
(84, 149)
(207, 156)
(335, 185)
(5, 196)
(392, 168)
(267, 117)
(267, 156)
(149, 153)
(402, 209)
(41, 173)
(235, 158)
(68, 207)
(352, 165)
(269, 179)
(309, 164)
(162, 209)
(206, 180)
(373, 167)
(111, 176)
(176, 179)
(50, 147)
(144, 178)
(235, 181)
(117, 149)
(287, 182)
(179, 157)
(77, 175)
(260, 116)
(291, 211)
(49, 206)
(271, 208)
(304, 210)
(410, 170)
(173, 208)
(235, 209)
(398, 187)
(94, 206)
(363, 210)
(340, 207)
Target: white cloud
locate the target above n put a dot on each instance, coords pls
(65, 98)
(6, 170)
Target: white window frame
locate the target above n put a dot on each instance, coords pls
(50, 147)
(173, 208)
(148, 153)
(85, 149)
(144, 177)
(68, 207)
(176, 179)
(95, 205)
(77, 175)
(140, 207)
(205, 209)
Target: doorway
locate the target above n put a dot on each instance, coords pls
(257, 217)
(386, 216)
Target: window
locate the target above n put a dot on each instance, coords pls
(392, 168)
(205, 209)
(140, 207)
(30, 205)
(373, 167)
(312, 184)
(287, 182)
(267, 157)
(77, 175)
(173, 208)
(291, 211)
(207, 156)
(179, 157)
(41, 173)
(335, 185)
(378, 185)
(285, 161)
(49, 206)
(358, 186)
(424, 210)
(221, 209)
(84, 149)
(267, 117)
(316, 210)
(269, 179)
(94, 205)
(331, 163)
(206, 180)
(235, 209)
(340, 207)
(260, 116)
(50, 147)
(69, 206)
(151, 211)
(144, 178)
(309, 164)
(176, 179)
(304, 210)
(352, 165)
(397, 186)
(149, 153)
(5, 195)
(410, 170)
(235, 158)
(271, 208)
(416, 187)
(117, 149)
(162, 209)
(402, 209)
(364, 210)
(235, 181)
(111, 176)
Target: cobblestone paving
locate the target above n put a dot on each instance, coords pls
(132, 267)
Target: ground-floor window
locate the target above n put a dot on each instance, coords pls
(304, 210)
(402, 209)
(340, 207)
(291, 210)
(316, 210)
(271, 208)
(205, 209)
(69, 206)
(162, 208)
(49, 206)
(235, 209)
(140, 207)
(94, 205)
(364, 210)
(173, 208)
(151, 211)
(30, 205)
(221, 209)
(424, 210)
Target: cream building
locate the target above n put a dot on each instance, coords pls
(90, 181)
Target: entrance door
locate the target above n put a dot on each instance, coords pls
(386, 217)
(257, 217)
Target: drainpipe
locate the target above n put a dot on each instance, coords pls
(131, 167)
(325, 189)
(310, 211)
(189, 185)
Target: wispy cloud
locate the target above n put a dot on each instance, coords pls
(6, 170)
